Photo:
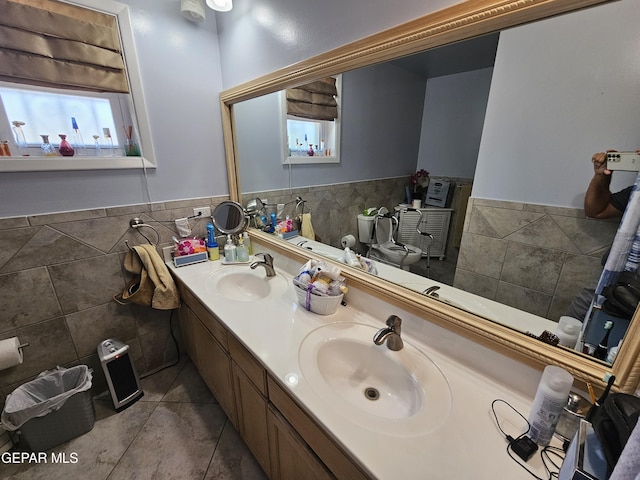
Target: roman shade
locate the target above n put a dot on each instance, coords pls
(51, 43)
(315, 100)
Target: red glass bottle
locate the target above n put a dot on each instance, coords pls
(65, 148)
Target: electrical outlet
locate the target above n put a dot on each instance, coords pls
(202, 211)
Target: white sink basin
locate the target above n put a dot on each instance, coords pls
(242, 284)
(402, 393)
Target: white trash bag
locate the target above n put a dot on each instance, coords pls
(43, 395)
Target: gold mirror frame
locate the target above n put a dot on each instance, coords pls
(458, 22)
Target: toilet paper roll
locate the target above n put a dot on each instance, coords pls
(348, 241)
(10, 354)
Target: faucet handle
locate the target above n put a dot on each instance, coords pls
(267, 257)
(394, 322)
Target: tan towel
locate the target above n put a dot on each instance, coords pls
(154, 287)
(306, 229)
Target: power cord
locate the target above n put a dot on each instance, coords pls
(175, 342)
(525, 448)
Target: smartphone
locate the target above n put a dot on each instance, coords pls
(627, 161)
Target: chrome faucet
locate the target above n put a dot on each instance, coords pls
(391, 334)
(431, 291)
(267, 263)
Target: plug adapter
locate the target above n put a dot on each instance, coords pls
(524, 447)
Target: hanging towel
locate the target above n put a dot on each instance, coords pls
(306, 229)
(153, 285)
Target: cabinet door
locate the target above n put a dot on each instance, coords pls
(252, 416)
(291, 458)
(434, 222)
(214, 366)
(328, 452)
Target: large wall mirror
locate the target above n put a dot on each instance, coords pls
(451, 72)
(69, 68)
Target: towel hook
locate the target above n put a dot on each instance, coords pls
(136, 223)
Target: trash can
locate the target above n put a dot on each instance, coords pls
(51, 409)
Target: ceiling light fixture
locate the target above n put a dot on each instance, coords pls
(220, 5)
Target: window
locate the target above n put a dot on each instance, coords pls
(307, 139)
(87, 119)
(111, 130)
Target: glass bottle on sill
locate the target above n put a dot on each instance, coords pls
(46, 147)
(96, 141)
(21, 141)
(78, 141)
(65, 148)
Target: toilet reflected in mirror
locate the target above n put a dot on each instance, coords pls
(378, 233)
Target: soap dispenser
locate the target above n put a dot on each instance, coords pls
(242, 251)
(230, 255)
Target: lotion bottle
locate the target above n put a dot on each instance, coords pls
(247, 242)
(230, 255)
(241, 251)
(551, 397)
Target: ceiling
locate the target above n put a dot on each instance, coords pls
(472, 54)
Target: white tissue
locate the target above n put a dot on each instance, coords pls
(10, 354)
(182, 224)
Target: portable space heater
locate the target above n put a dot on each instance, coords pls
(120, 372)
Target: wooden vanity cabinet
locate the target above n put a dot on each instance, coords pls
(286, 442)
(291, 457)
(249, 382)
(324, 448)
(205, 340)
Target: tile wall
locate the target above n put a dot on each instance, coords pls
(533, 257)
(58, 276)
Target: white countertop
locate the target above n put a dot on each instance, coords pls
(466, 445)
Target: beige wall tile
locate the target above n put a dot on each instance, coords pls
(532, 267)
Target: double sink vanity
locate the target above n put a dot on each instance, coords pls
(314, 397)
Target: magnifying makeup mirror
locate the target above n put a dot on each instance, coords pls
(229, 218)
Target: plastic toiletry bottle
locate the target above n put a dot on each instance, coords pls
(568, 331)
(241, 251)
(230, 255)
(601, 350)
(247, 242)
(350, 257)
(613, 353)
(212, 246)
(551, 397)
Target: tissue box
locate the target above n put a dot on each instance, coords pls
(183, 260)
(287, 235)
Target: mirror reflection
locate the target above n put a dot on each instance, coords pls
(512, 136)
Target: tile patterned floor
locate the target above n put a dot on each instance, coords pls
(176, 431)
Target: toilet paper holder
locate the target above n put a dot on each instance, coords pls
(22, 345)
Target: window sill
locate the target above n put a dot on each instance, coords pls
(49, 164)
(310, 160)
